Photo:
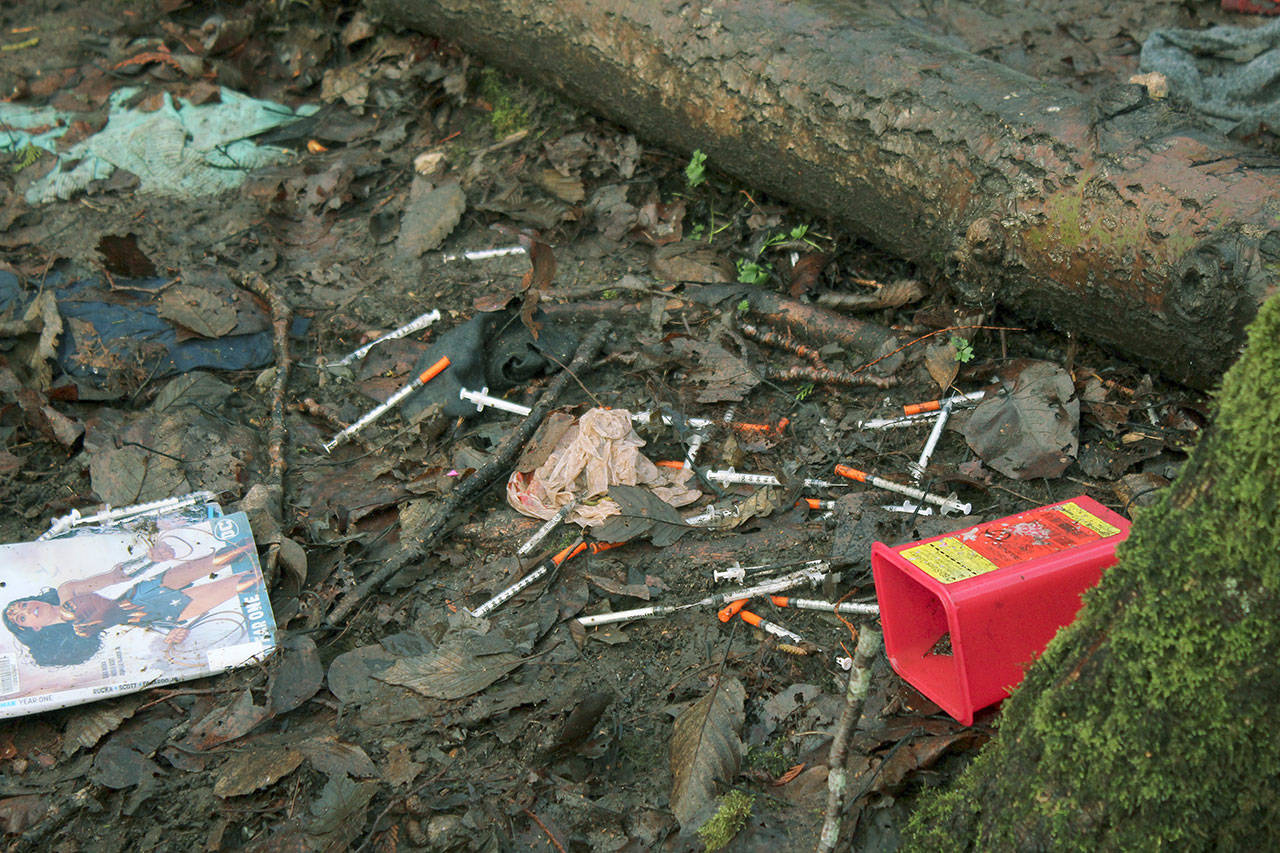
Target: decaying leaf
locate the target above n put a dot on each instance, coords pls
(40, 317)
(940, 361)
(567, 188)
(341, 803)
(1029, 427)
(642, 513)
(705, 751)
(429, 216)
(296, 675)
(334, 757)
(805, 272)
(252, 769)
(121, 256)
(691, 260)
(724, 377)
(461, 668)
(19, 813)
(89, 724)
(542, 270)
(198, 310)
(226, 722)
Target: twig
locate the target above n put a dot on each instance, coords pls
(911, 343)
(783, 341)
(827, 376)
(550, 835)
(277, 433)
(855, 695)
(498, 466)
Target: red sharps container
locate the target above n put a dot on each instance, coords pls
(965, 613)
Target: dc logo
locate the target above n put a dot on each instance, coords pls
(225, 529)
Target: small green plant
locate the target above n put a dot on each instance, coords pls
(804, 391)
(752, 272)
(26, 155)
(508, 115)
(964, 349)
(735, 808)
(609, 294)
(696, 172)
(744, 306)
(770, 757)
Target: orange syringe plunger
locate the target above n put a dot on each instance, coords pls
(731, 609)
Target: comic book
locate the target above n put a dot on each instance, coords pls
(114, 609)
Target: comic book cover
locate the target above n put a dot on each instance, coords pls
(109, 611)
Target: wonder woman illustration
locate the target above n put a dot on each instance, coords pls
(65, 626)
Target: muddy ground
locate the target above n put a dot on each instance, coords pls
(419, 152)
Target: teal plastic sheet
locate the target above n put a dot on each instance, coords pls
(181, 149)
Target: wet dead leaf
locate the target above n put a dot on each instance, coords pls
(642, 513)
(1029, 428)
(121, 256)
(400, 768)
(117, 765)
(334, 757)
(351, 675)
(19, 813)
(567, 188)
(536, 281)
(705, 751)
(342, 802)
(91, 723)
(429, 216)
(296, 676)
(724, 377)
(254, 768)
(691, 260)
(615, 587)
(41, 318)
(226, 723)
(940, 361)
(451, 672)
(805, 273)
(196, 309)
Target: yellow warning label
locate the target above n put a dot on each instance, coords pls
(948, 560)
(1087, 519)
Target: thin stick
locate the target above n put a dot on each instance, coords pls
(855, 696)
(543, 827)
(278, 432)
(500, 465)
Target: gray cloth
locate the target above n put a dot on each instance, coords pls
(1230, 75)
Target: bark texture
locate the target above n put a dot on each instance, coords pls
(1151, 722)
(1117, 222)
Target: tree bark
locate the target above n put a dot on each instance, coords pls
(1121, 224)
(1150, 723)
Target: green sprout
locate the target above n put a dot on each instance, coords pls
(744, 306)
(964, 349)
(696, 172)
(735, 808)
(804, 391)
(752, 272)
(609, 294)
(26, 155)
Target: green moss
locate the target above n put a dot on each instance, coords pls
(770, 757)
(735, 808)
(509, 115)
(1150, 722)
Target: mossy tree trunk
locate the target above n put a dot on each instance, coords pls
(1119, 222)
(1153, 722)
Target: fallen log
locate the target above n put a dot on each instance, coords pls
(1125, 224)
